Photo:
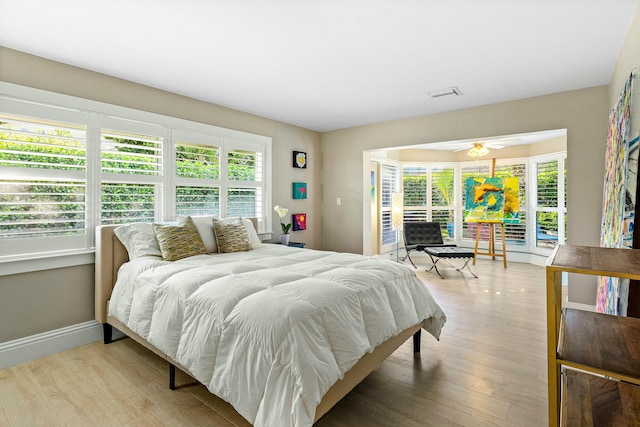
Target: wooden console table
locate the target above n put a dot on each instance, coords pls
(593, 362)
(492, 243)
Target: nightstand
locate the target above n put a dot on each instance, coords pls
(296, 244)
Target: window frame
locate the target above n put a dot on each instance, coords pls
(95, 115)
(529, 207)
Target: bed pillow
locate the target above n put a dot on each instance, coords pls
(251, 231)
(179, 241)
(205, 228)
(139, 239)
(232, 236)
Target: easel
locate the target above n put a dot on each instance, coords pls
(492, 244)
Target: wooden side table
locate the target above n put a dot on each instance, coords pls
(492, 244)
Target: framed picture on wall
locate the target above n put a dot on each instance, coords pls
(299, 190)
(300, 159)
(299, 221)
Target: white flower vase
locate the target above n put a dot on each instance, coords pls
(284, 239)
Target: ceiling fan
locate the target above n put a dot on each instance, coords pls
(481, 148)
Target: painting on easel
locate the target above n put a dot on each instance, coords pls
(492, 200)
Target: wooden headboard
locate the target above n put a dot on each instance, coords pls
(110, 255)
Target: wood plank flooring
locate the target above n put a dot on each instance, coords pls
(488, 369)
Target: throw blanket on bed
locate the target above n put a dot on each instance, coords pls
(272, 329)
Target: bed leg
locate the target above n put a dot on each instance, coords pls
(107, 332)
(172, 376)
(416, 341)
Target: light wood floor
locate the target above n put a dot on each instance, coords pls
(488, 369)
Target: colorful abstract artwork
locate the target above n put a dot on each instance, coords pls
(492, 199)
(299, 190)
(299, 221)
(620, 183)
(373, 185)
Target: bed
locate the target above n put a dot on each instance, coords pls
(201, 313)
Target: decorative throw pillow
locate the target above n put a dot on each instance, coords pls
(231, 237)
(205, 228)
(179, 241)
(251, 231)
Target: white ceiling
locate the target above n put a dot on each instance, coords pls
(331, 64)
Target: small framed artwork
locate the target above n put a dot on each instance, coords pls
(299, 221)
(300, 159)
(299, 190)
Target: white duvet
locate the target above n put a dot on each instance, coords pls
(272, 329)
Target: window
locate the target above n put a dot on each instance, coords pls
(244, 186)
(389, 178)
(197, 174)
(42, 179)
(550, 200)
(414, 187)
(429, 195)
(472, 170)
(516, 234)
(132, 172)
(436, 192)
(68, 167)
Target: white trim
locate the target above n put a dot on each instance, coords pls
(35, 346)
(45, 261)
(579, 306)
(29, 94)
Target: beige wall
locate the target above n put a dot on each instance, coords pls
(72, 305)
(41, 301)
(582, 112)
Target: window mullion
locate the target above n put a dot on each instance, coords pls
(93, 176)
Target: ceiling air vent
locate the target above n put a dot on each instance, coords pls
(453, 90)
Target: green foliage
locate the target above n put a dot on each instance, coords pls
(34, 208)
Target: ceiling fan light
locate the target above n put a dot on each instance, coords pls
(478, 150)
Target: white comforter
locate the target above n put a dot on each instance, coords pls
(272, 329)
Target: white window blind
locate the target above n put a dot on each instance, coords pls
(472, 170)
(132, 169)
(68, 167)
(443, 199)
(548, 204)
(516, 233)
(197, 163)
(414, 188)
(42, 180)
(429, 195)
(244, 187)
(547, 183)
(126, 153)
(389, 183)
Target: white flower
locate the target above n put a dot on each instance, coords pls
(282, 212)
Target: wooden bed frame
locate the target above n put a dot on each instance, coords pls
(111, 254)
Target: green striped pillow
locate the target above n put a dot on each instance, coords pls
(179, 241)
(231, 237)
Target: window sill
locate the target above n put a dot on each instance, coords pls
(27, 263)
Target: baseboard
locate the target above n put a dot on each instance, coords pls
(47, 343)
(580, 306)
